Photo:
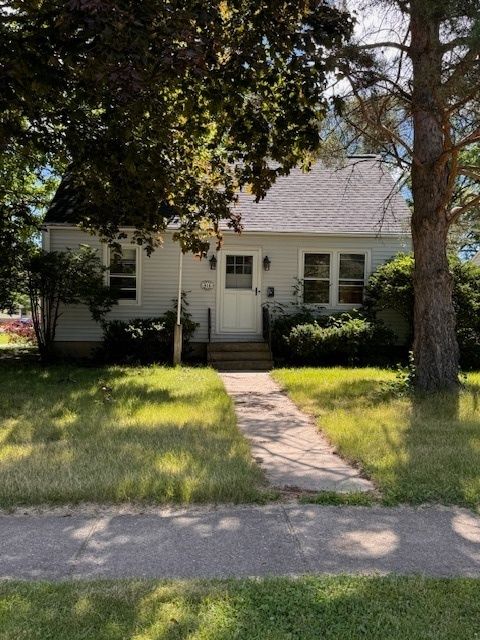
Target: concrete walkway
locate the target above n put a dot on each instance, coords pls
(228, 541)
(285, 441)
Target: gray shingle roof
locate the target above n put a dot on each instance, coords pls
(358, 197)
(62, 209)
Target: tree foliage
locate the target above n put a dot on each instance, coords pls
(163, 110)
(390, 287)
(25, 191)
(465, 232)
(414, 93)
(55, 279)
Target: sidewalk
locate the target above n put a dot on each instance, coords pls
(285, 441)
(231, 541)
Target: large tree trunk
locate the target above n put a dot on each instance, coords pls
(435, 343)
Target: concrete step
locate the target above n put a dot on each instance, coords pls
(238, 346)
(242, 365)
(226, 356)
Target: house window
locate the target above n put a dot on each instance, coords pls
(351, 278)
(316, 278)
(123, 273)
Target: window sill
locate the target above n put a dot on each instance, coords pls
(128, 303)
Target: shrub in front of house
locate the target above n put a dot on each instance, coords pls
(391, 288)
(145, 340)
(345, 339)
(469, 344)
(282, 324)
(134, 341)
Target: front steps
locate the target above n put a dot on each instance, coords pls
(239, 356)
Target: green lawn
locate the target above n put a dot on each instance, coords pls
(119, 434)
(4, 340)
(416, 450)
(345, 608)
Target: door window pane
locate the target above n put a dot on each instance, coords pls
(239, 272)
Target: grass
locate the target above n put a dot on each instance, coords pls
(112, 435)
(342, 608)
(334, 499)
(4, 340)
(415, 449)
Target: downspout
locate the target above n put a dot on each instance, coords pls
(177, 335)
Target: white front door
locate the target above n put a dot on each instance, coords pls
(239, 303)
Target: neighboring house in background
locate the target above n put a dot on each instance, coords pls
(327, 229)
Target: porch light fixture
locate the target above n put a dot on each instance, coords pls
(213, 263)
(266, 263)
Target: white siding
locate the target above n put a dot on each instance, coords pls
(159, 275)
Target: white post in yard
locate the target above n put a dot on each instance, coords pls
(177, 335)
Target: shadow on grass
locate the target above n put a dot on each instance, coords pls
(365, 392)
(437, 457)
(308, 608)
(72, 434)
(417, 448)
(440, 457)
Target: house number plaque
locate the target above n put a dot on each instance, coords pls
(207, 285)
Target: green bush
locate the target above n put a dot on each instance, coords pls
(145, 340)
(391, 287)
(135, 341)
(281, 327)
(346, 339)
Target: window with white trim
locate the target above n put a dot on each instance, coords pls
(351, 278)
(316, 278)
(123, 272)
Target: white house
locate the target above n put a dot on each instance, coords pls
(326, 229)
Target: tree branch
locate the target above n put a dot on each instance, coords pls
(470, 139)
(461, 103)
(384, 45)
(470, 171)
(461, 41)
(466, 63)
(391, 134)
(459, 211)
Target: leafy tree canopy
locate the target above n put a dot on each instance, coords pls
(25, 191)
(163, 110)
(391, 287)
